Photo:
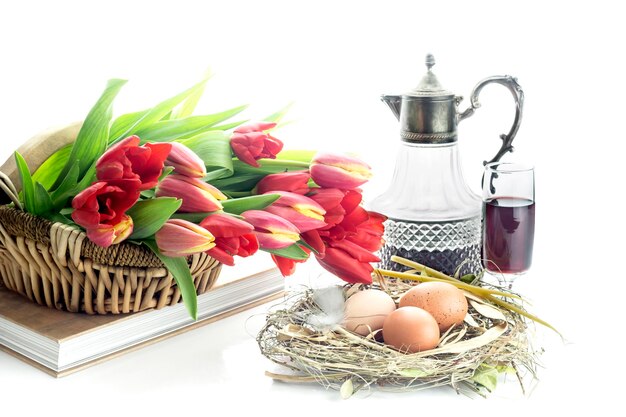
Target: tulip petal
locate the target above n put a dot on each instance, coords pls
(221, 255)
(335, 177)
(339, 171)
(273, 232)
(197, 195)
(355, 251)
(224, 225)
(182, 238)
(271, 148)
(295, 182)
(102, 235)
(185, 161)
(286, 266)
(345, 267)
(153, 167)
(313, 239)
(302, 222)
(248, 245)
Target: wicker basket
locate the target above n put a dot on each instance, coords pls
(55, 265)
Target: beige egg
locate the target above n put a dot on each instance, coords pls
(445, 302)
(366, 311)
(411, 329)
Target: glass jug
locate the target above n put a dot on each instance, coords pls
(433, 216)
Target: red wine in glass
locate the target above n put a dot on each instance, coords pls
(508, 234)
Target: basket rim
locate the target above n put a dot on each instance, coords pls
(125, 254)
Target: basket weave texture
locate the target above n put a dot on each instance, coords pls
(55, 265)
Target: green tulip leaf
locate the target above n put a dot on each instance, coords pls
(28, 188)
(179, 269)
(238, 182)
(47, 172)
(292, 252)
(231, 125)
(129, 124)
(296, 155)
(213, 148)
(43, 202)
(187, 107)
(270, 166)
(93, 136)
(150, 215)
(36, 198)
(169, 130)
(256, 202)
(278, 116)
(306, 245)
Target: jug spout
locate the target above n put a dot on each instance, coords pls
(394, 102)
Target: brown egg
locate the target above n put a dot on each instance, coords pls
(411, 329)
(444, 301)
(366, 311)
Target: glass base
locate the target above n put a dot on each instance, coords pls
(504, 280)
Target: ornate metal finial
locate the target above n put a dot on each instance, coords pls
(430, 61)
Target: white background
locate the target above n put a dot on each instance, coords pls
(334, 59)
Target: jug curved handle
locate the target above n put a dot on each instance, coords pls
(518, 95)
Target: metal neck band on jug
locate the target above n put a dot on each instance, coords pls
(428, 120)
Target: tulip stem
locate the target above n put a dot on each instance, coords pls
(480, 291)
(270, 166)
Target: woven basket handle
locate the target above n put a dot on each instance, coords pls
(9, 190)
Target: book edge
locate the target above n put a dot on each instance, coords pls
(96, 361)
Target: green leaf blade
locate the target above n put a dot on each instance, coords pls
(180, 271)
(256, 202)
(93, 136)
(48, 171)
(150, 215)
(169, 130)
(43, 202)
(213, 148)
(28, 188)
(187, 107)
(133, 123)
(292, 252)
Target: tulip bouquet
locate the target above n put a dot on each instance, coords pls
(183, 184)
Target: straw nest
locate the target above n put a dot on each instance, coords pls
(470, 357)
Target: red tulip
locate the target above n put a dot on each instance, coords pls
(287, 266)
(338, 171)
(343, 265)
(336, 202)
(197, 195)
(369, 234)
(232, 237)
(185, 161)
(100, 209)
(106, 235)
(272, 231)
(299, 210)
(314, 240)
(249, 143)
(128, 160)
(349, 245)
(182, 238)
(295, 182)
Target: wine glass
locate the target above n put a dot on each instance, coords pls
(508, 220)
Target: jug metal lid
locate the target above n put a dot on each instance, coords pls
(429, 87)
(428, 113)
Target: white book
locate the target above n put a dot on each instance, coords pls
(60, 343)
